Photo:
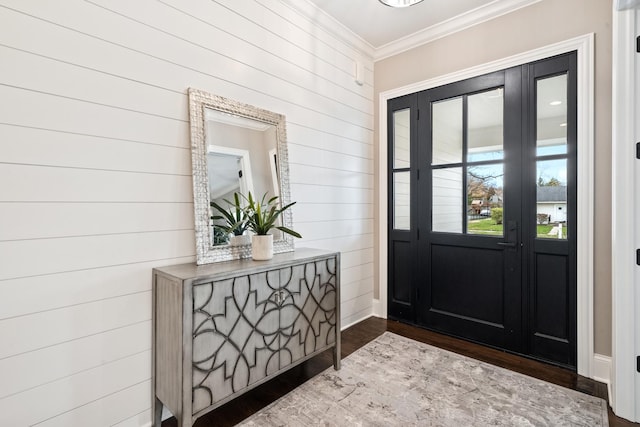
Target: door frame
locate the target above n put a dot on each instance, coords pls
(584, 45)
(625, 381)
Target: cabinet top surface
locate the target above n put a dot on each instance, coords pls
(192, 270)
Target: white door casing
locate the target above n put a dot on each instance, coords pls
(625, 205)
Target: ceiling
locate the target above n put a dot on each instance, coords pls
(379, 25)
(388, 30)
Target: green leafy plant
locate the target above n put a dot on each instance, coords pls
(236, 219)
(496, 215)
(262, 215)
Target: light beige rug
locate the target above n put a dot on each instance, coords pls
(396, 381)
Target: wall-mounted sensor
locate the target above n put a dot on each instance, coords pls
(359, 73)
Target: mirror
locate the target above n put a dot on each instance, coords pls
(236, 148)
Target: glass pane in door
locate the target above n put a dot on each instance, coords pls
(484, 199)
(485, 129)
(446, 204)
(447, 131)
(551, 115)
(551, 199)
(401, 139)
(401, 200)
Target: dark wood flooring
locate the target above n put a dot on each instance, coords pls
(367, 330)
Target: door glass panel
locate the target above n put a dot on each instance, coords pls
(446, 204)
(401, 199)
(401, 139)
(551, 199)
(485, 199)
(485, 117)
(447, 131)
(551, 115)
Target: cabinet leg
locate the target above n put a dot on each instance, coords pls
(184, 420)
(336, 357)
(157, 413)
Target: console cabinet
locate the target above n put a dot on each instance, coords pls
(222, 329)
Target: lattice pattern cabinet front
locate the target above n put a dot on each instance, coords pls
(222, 329)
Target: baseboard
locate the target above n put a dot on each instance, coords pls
(602, 372)
(377, 308)
(358, 320)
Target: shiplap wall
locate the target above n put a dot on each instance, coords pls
(95, 173)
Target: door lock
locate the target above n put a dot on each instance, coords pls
(511, 235)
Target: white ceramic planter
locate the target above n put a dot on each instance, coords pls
(262, 247)
(240, 240)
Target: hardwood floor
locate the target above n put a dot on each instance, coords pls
(367, 330)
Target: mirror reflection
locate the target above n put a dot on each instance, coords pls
(241, 158)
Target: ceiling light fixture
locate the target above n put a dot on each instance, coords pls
(562, 125)
(555, 103)
(399, 3)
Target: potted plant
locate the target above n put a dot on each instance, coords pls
(262, 218)
(235, 221)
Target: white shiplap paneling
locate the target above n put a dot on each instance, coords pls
(331, 141)
(29, 295)
(50, 183)
(95, 167)
(48, 328)
(25, 371)
(74, 391)
(30, 146)
(33, 257)
(128, 401)
(312, 212)
(56, 219)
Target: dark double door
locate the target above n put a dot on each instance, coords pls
(482, 209)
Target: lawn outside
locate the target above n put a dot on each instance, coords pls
(489, 227)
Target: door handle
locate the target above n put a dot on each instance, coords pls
(511, 235)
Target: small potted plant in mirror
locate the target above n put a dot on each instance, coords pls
(235, 221)
(262, 218)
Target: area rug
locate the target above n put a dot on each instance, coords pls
(396, 381)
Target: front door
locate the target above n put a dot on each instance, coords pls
(482, 229)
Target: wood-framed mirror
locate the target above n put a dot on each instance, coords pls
(235, 148)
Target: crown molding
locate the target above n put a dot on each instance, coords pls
(333, 27)
(461, 22)
(492, 10)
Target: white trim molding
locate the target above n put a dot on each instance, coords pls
(355, 322)
(584, 45)
(624, 233)
(377, 309)
(602, 370)
(461, 22)
(476, 16)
